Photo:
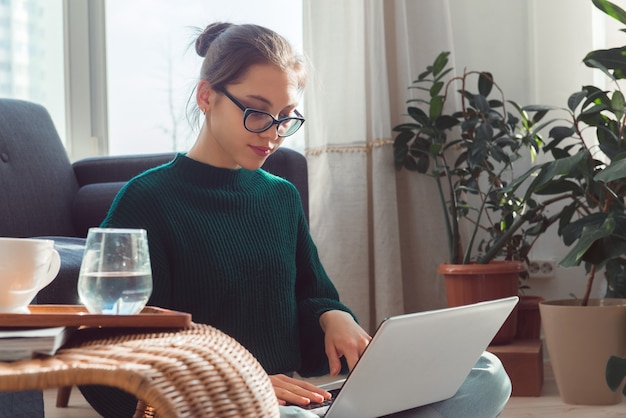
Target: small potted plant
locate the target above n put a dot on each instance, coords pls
(470, 152)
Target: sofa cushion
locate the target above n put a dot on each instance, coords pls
(63, 289)
(92, 203)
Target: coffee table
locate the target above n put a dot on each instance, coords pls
(197, 371)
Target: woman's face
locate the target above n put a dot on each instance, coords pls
(229, 144)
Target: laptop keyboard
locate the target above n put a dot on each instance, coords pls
(320, 408)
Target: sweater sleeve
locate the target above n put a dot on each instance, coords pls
(133, 208)
(316, 294)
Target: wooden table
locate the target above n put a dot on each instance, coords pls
(194, 372)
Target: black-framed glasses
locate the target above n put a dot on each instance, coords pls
(259, 121)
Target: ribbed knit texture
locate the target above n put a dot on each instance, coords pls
(232, 247)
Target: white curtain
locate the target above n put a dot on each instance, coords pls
(358, 217)
(379, 231)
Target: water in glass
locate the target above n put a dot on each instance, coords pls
(115, 276)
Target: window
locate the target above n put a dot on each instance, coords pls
(137, 102)
(152, 66)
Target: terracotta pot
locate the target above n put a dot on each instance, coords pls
(528, 318)
(471, 283)
(580, 340)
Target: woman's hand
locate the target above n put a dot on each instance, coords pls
(297, 392)
(342, 337)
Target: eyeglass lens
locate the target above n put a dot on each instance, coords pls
(257, 121)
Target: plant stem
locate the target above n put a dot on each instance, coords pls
(479, 216)
(451, 246)
(451, 222)
(592, 274)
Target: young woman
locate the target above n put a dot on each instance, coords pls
(230, 243)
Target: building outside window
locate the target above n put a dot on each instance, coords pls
(31, 54)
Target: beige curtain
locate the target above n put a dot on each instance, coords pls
(372, 225)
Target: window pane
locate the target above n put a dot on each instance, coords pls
(152, 67)
(31, 54)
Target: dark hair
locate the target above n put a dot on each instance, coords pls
(229, 50)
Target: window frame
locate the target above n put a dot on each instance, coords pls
(86, 112)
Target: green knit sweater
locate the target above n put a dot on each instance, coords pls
(232, 247)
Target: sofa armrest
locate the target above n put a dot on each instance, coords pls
(100, 178)
(92, 203)
(108, 169)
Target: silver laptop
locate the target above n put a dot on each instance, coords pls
(421, 358)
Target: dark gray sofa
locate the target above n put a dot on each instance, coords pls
(44, 195)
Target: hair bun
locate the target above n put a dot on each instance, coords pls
(210, 33)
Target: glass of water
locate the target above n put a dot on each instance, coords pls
(115, 274)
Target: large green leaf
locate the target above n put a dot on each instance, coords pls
(593, 63)
(610, 247)
(605, 249)
(436, 88)
(499, 155)
(560, 186)
(572, 231)
(556, 168)
(615, 372)
(446, 122)
(567, 214)
(615, 171)
(611, 59)
(418, 114)
(594, 112)
(558, 134)
(539, 114)
(401, 149)
(442, 74)
(575, 99)
(589, 235)
(481, 103)
(608, 137)
(596, 95)
(617, 103)
(436, 107)
(611, 9)
(485, 83)
(406, 127)
(478, 153)
(519, 180)
(440, 62)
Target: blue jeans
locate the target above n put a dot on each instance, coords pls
(484, 394)
(24, 404)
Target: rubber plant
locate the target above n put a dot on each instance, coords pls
(470, 153)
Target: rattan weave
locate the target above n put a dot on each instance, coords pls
(195, 372)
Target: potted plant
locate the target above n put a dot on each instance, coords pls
(470, 153)
(589, 171)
